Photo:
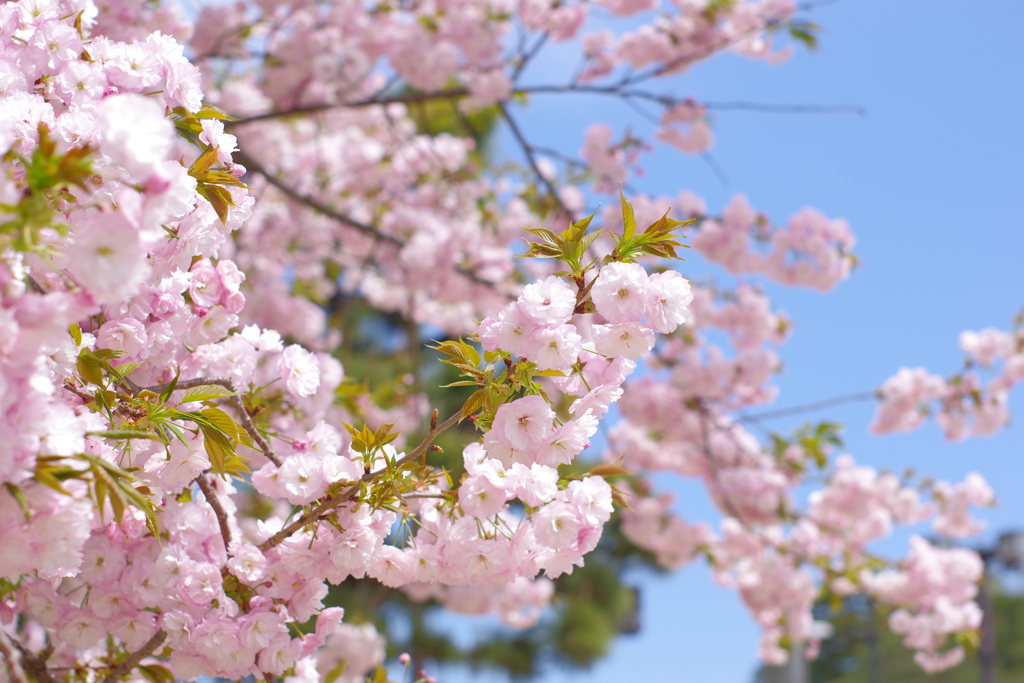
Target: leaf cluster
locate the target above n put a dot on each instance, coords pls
(816, 441)
(49, 177)
(211, 180)
(657, 240)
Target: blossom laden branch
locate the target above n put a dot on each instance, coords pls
(333, 501)
(125, 667)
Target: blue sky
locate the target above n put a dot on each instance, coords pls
(931, 181)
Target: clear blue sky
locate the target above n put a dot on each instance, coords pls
(931, 180)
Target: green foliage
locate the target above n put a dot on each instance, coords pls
(815, 440)
(571, 245)
(656, 240)
(804, 32)
(49, 178)
(211, 181)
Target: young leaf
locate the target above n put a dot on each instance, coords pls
(19, 496)
(205, 392)
(628, 218)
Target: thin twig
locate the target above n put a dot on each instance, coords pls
(292, 193)
(334, 501)
(34, 286)
(764, 108)
(12, 659)
(811, 407)
(218, 509)
(532, 159)
(528, 57)
(357, 104)
(127, 665)
(616, 89)
(323, 209)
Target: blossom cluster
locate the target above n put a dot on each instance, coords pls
(964, 404)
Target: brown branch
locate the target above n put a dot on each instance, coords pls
(323, 209)
(87, 397)
(34, 286)
(218, 510)
(127, 665)
(337, 499)
(35, 665)
(618, 90)
(292, 193)
(357, 104)
(12, 659)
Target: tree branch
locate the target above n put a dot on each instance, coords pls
(127, 665)
(12, 659)
(35, 666)
(531, 158)
(811, 407)
(334, 501)
(327, 211)
(218, 509)
(357, 104)
(291, 193)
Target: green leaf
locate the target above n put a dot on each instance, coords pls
(165, 395)
(336, 672)
(222, 421)
(219, 198)
(46, 476)
(19, 496)
(473, 403)
(206, 392)
(76, 333)
(211, 112)
(90, 367)
(805, 32)
(628, 218)
(156, 673)
(126, 434)
(112, 490)
(124, 369)
(201, 165)
(218, 447)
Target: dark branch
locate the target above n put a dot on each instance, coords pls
(218, 510)
(811, 407)
(125, 667)
(291, 193)
(327, 211)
